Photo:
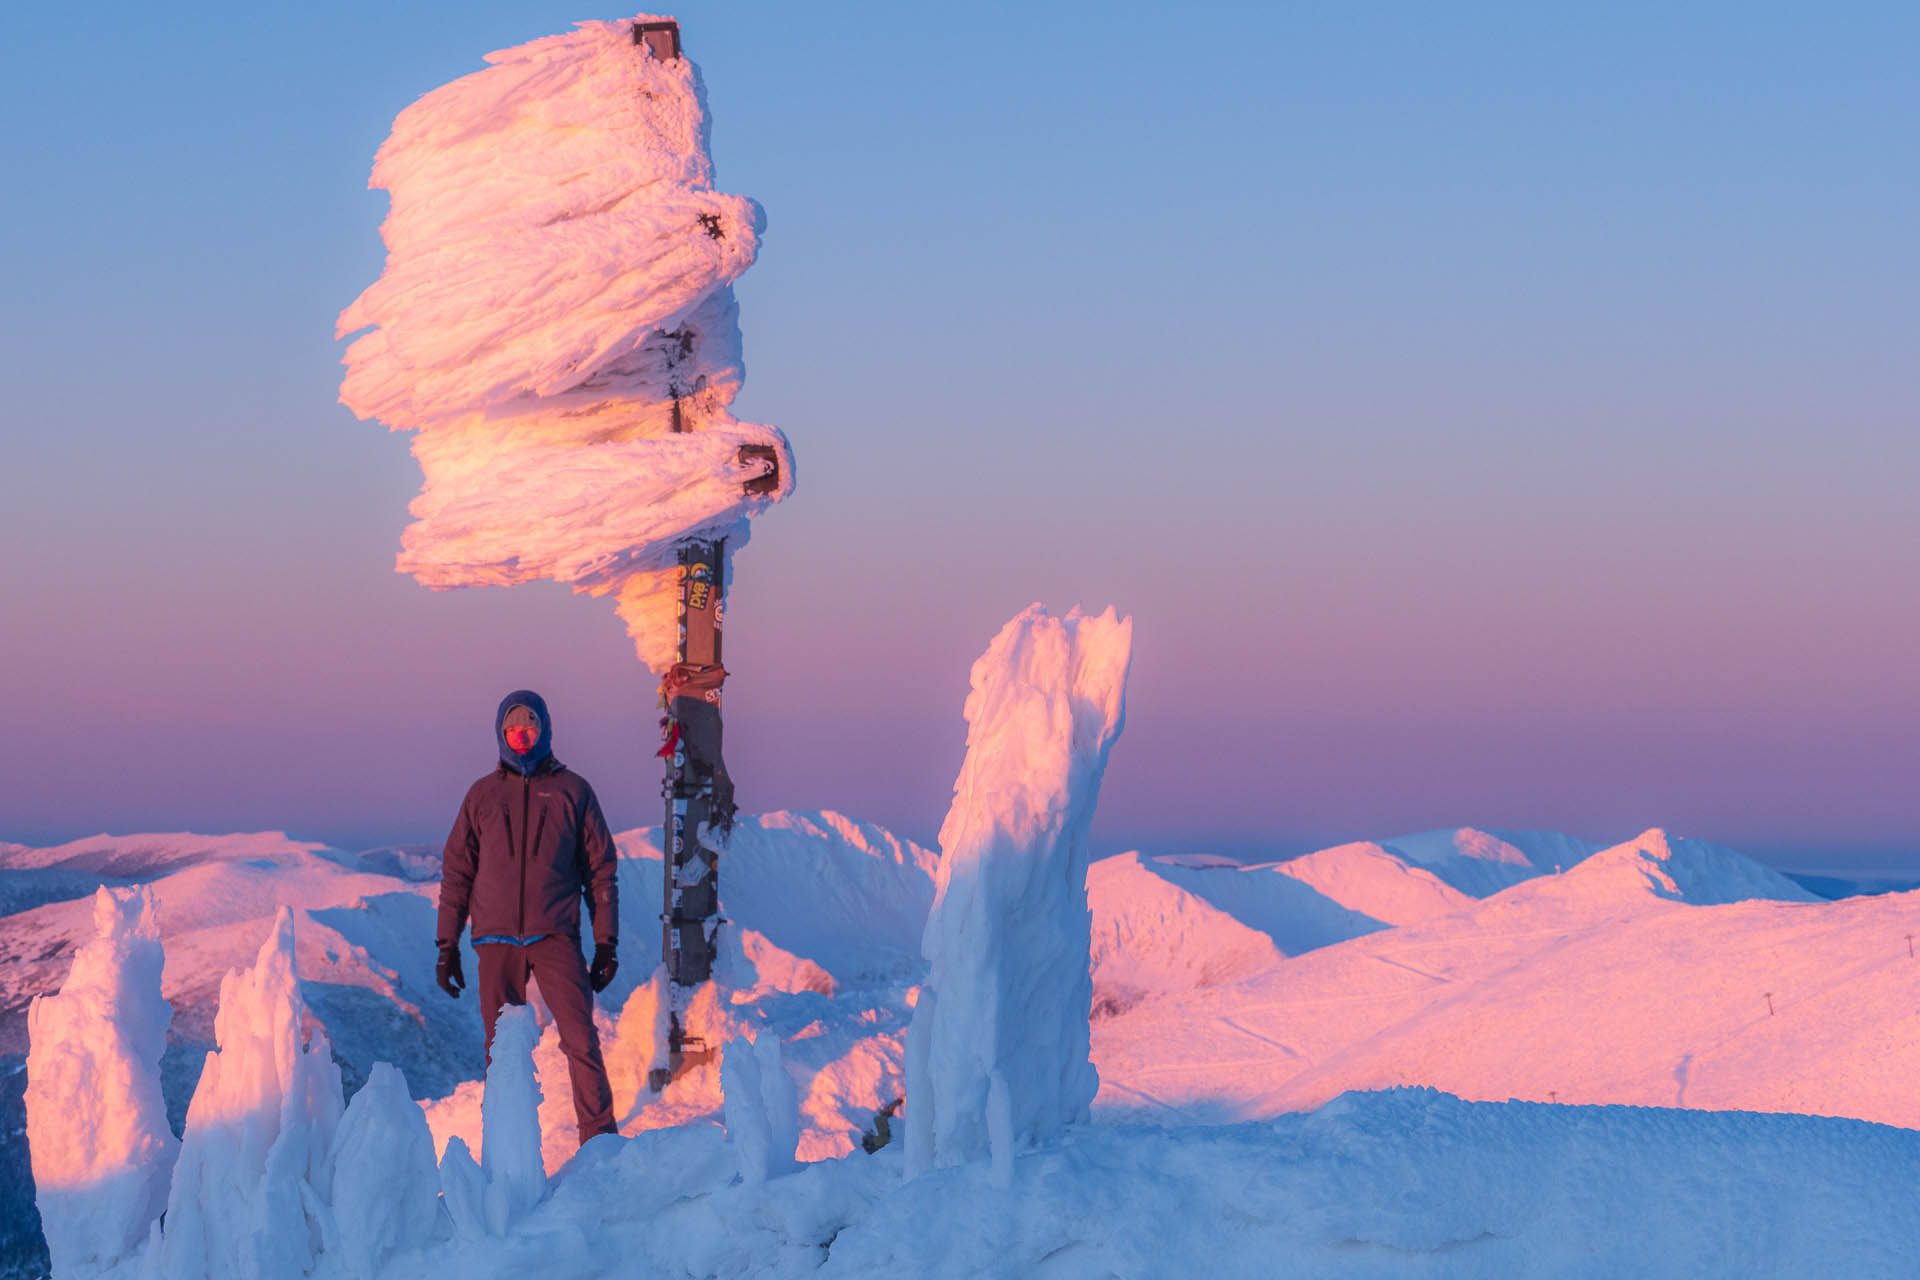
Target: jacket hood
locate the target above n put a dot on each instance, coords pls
(524, 765)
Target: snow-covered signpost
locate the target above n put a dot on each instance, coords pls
(999, 1054)
(556, 323)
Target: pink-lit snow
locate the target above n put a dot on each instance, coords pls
(1624, 979)
(1610, 1027)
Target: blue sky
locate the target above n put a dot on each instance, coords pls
(1490, 414)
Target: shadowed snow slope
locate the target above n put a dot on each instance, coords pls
(1641, 974)
(1401, 1184)
(1482, 862)
(1605, 984)
(1368, 879)
(1165, 926)
(849, 896)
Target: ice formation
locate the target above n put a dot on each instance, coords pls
(386, 1190)
(556, 321)
(1640, 974)
(96, 1123)
(250, 1193)
(516, 1179)
(999, 1045)
(638, 1044)
(762, 1109)
(464, 1188)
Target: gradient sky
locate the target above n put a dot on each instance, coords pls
(1490, 414)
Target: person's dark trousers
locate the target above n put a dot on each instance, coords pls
(556, 961)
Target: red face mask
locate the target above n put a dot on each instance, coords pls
(521, 730)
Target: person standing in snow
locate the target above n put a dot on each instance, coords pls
(529, 844)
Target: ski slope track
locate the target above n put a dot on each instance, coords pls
(1267, 1039)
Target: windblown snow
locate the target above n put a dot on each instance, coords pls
(556, 322)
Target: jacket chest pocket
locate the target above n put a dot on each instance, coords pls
(552, 820)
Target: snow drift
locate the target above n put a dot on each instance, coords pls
(556, 321)
(997, 1056)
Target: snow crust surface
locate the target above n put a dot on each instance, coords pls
(556, 322)
(998, 1051)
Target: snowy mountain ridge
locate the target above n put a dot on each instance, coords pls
(1222, 993)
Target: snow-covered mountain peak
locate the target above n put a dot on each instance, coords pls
(143, 857)
(1481, 863)
(1153, 936)
(1656, 866)
(1369, 878)
(1702, 874)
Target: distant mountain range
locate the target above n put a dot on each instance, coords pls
(1492, 964)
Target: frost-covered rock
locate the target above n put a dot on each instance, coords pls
(510, 1144)
(96, 1123)
(556, 320)
(386, 1190)
(1008, 993)
(250, 1193)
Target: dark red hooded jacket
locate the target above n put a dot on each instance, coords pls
(523, 853)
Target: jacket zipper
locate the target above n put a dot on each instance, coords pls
(526, 800)
(539, 829)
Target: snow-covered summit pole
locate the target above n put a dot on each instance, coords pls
(556, 323)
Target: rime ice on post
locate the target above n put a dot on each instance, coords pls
(998, 1053)
(250, 1193)
(96, 1122)
(557, 323)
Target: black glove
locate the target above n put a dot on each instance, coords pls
(447, 973)
(604, 966)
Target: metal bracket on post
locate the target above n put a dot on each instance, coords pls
(660, 39)
(767, 481)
